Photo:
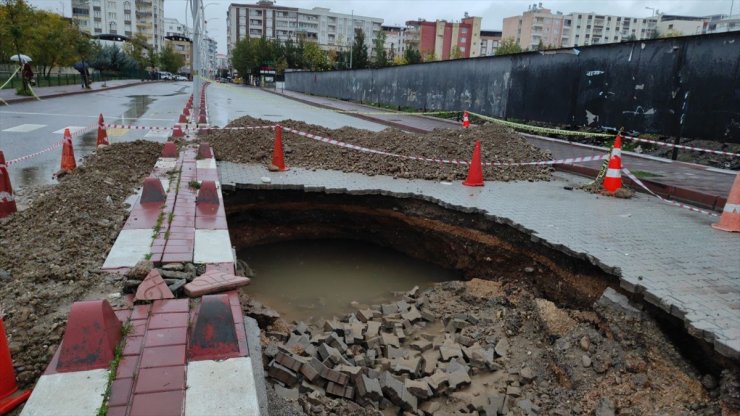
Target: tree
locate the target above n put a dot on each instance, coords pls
(670, 33)
(412, 56)
(359, 51)
(429, 57)
(170, 60)
(138, 49)
(381, 58)
(52, 42)
(508, 46)
(399, 60)
(456, 53)
(541, 46)
(111, 58)
(18, 20)
(314, 57)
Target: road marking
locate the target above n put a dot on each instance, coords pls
(25, 128)
(114, 132)
(80, 115)
(72, 129)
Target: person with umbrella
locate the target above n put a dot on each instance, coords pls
(82, 68)
(26, 70)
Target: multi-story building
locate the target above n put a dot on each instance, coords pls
(596, 29)
(122, 17)
(441, 40)
(539, 27)
(723, 23)
(211, 55)
(173, 27)
(329, 29)
(183, 46)
(680, 25)
(489, 42)
(395, 41)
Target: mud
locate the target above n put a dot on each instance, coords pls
(498, 143)
(51, 252)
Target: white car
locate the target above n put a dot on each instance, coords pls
(181, 78)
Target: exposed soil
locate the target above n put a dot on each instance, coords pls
(548, 360)
(498, 143)
(51, 252)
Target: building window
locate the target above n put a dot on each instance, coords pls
(464, 30)
(463, 40)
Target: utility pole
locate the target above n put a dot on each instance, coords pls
(197, 19)
(352, 43)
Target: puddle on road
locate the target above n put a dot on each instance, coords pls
(320, 278)
(138, 105)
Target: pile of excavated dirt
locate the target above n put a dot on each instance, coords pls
(487, 348)
(51, 253)
(499, 144)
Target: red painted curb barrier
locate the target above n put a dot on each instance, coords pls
(102, 134)
(204, 151)
(475, 172)
(202, 119)
(466, 120)
(90, 340)
(183, 119)
(730, 219)
(153, 287)
(177, 131)
(10, 397)
(214, 335)
(278, 158)
(68, 153)
(153, 191)
(169, 150)
(214, 281)
(613, 178)
(207, 194)
(186, 111)
(7, 200)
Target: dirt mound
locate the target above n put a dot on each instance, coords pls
(499, 144)
(51, 253)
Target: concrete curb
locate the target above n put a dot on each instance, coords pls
(64, 94)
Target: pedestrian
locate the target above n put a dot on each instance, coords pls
(86, 78)
(27, 74)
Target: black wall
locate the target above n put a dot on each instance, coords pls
(687, 86)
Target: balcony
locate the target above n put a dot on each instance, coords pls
(142, 15)
(143, 3)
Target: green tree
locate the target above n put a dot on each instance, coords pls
(429, 57)
(359, 51)
(412, 56)
(456, 53)
(381, 58)
(17, 21)
(399, 60)
(138, 49)
(170, 60)
(314, 57)
(508, 46)
(670, 33)
(52, 42)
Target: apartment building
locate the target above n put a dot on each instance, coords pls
(122, 17)
(329, 29)
(723, 23)
(538, 26)
(395, 40)
(441, 40)
(596, 29)
(489, 42)
(173, 27)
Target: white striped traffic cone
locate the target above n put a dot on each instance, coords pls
(613, 179)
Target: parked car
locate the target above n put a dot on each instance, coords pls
(166, 75)
(181, 78)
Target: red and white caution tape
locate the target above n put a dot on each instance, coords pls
(237, 128)
(445, 161)
(678, 204)
(134, 127)
(6, 197)
(32, 155)
(680, 146)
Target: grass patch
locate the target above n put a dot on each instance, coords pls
(117, 356)
(644, 174)
(194, 185)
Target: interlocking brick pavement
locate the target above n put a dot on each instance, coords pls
(670, 255)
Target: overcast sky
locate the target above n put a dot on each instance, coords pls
(396, 12)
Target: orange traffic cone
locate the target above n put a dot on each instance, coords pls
(7, 200)
(102, 134)
(68, 153)
(10, 397)
(466, 120)
(613, 179)
(278, 159)
(730, 219)
(475, 172)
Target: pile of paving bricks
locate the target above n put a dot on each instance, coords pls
(381, 357)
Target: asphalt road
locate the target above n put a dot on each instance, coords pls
(29, 127)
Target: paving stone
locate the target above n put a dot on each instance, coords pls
(334, 376)
(428, 316)
(431, 358)
(282, 374)
(350, 370)
(390, 339)
(449, 351)
(153, 287)
(438, 382)
(617, 302)
(368, 387)
(339, 390)
(396, 392)
(502, 347)
(300, 328)
(214, 282)
(418, 388)
(413, 292)
(298, 340)
(355, 332)
(495, 404)
(411, 365)
(335, 341)
(364, 315)
(464, 340)
(393, 353)
(513, 391)
(288, 362)
(309, 372)
(458, 379)
(431, 407)
(455, 366)
(455, 325)
(333, 326)
(373, 329)
(389, 309)
(403, 306)
(421, 345)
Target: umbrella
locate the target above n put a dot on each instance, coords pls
(21, 57)
(81, 66)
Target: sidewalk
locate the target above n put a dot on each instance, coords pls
(697, 184)
(10, 97)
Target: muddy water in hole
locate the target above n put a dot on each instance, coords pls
(318, 279)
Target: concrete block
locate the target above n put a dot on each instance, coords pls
(282, 374)
(412, 315)
(458, 379)
(389, 339)
(338, 390)
(418, 388)
(373, 329)
(368, 387)
(334, 376)
(421, 345)
(287, 361)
